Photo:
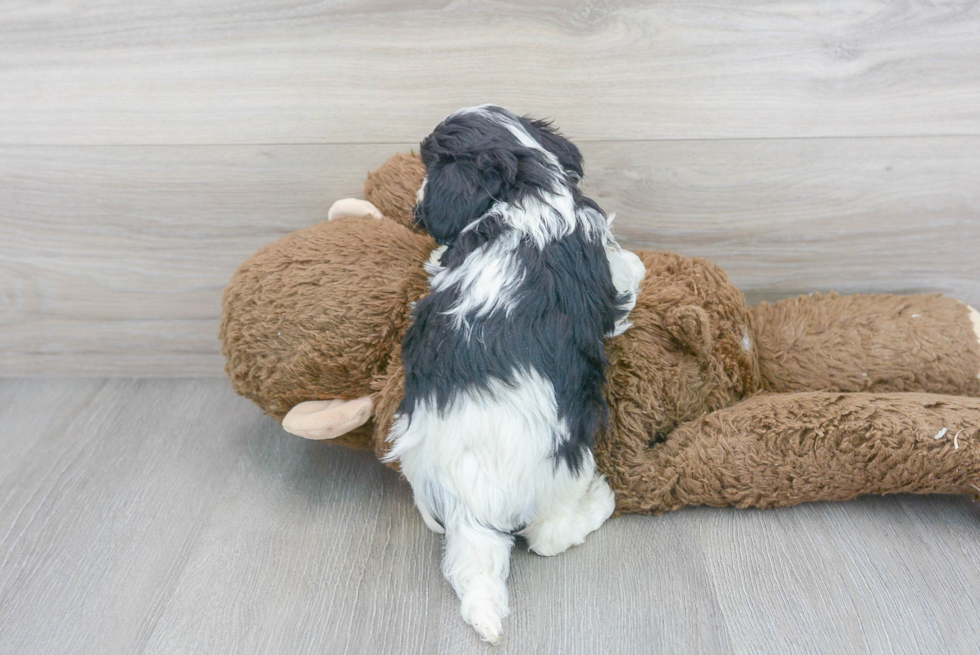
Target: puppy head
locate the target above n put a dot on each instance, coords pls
(483, 155)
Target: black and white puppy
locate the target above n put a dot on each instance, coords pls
(504, 361)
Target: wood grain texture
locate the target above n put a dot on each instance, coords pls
(284, 71)
(815, 558)
(98, 513)
(785, 217)
(166, 516)
(112, 259)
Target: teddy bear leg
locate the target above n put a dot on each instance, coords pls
(777, 450)
(352, 207)
(879, 343)
(572, 520)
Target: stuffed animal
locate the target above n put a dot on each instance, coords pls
(821, 397)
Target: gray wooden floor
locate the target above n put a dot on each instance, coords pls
(169, 516)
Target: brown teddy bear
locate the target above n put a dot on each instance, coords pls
(820, 397)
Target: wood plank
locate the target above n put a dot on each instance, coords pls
(31, 408)
(170, 516)
(310, 548)
(785, 217)
(313, 548)
(388, 70)
(877, 575)
(112, 259)
(98, 515)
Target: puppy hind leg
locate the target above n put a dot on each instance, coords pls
(476, 563)
(569, 522)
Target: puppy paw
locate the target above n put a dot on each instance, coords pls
(628, 272)
(598, 503)
(485, 612)
(352, 207)
(486, 622)
(569, 525)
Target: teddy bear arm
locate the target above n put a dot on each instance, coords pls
(880, 343)
(352, 207)
(327, 419)
(777, 450)
(389, 391)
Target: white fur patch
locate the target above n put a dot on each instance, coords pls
(975, 321)
(486, 281)
(485, 466)
(746, 341)
(568, 524)
(544, 219)
(491, 452)
(628, 272)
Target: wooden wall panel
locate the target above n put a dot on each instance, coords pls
(283, 71)
(112, 259)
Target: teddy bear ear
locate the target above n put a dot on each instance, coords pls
(689, 325)
(327, 419)
(393, 188)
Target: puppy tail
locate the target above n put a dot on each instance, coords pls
(476, 563)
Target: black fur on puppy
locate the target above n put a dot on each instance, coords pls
(504, 361)
(483, 182)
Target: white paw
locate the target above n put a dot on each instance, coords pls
(628, 272)
(600, 501)
(434, 265)
(570, 526)
(485, 615)
(352, 207)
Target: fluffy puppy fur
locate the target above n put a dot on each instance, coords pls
(504, 361)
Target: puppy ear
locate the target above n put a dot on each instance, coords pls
(460, 190)
(454, 197)
(565, 151)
